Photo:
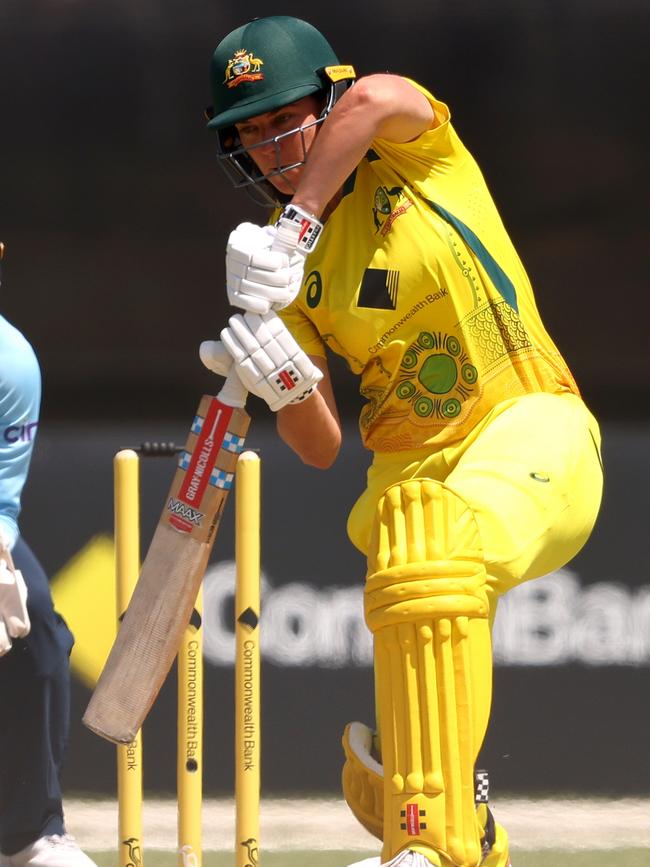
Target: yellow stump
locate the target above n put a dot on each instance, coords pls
(189, 766)
(247, 662)
(127, 568)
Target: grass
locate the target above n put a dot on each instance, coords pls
(558, 858)
(548, 858)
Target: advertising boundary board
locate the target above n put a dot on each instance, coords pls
(572, 650)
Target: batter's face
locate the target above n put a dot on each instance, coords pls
(278, 141)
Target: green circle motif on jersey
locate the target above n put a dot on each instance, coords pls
(469, 373)
(423, 406)
(410, 359)
(451, 408)
(453, 345)
(438, 374)
(405, 389)
(426, 340)
(314, 286)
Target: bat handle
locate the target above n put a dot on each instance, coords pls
(233, 393)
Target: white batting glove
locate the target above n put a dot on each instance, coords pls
(265, 264)
(269, 362)
(14, 619)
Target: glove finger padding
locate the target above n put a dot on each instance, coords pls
(259, 278)
(249, 237)
(271, 267)
(265, 264)
(269, 361)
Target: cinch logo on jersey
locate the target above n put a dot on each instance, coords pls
(412, 824)
(20, 433)
(187, 512)
(241, 67)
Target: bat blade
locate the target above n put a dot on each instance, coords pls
(162, 601)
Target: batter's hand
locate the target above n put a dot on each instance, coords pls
(269, 362)
(14, 619)
(265, 264)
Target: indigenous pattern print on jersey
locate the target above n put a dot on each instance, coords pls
(416, 283)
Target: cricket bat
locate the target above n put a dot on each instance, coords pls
(163, 598)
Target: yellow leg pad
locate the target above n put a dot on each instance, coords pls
(426, 603)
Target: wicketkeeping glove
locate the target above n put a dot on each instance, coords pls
(268, 361)
(14, 619)
(260, 279)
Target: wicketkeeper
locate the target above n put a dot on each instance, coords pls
(486, 469)
(35, 644)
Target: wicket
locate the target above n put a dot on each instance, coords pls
(126, 472)
(247, 660)
(126, 465)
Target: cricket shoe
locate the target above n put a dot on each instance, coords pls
(406, 858)
(51, 851)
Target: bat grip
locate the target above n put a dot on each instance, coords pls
(233, 393)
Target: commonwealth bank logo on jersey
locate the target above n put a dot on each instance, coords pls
(379, 289)
(241, 67)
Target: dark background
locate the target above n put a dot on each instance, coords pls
(115, 216)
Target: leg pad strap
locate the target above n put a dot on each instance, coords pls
(363, 779)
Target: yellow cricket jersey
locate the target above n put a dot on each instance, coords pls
(416, 283)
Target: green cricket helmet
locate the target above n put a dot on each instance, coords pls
(260, 67)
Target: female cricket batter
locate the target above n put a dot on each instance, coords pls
(387, 248)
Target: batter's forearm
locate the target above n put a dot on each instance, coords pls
(311, 430)
(378, 106)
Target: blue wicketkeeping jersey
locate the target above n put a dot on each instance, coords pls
(20, 398)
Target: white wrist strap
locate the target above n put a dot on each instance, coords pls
(299, 229)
